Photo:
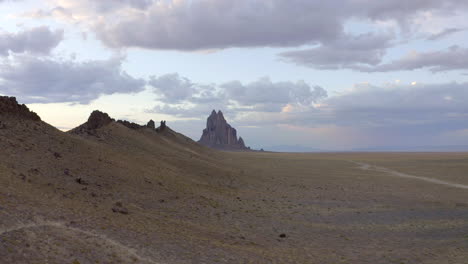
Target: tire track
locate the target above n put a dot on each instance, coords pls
(369, 167)
(59, 225)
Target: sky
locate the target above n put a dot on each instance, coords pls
(287, 74)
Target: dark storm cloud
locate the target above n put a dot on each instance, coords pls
(39, 40)
(44, 80)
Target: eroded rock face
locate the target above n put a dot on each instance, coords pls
(9, 106)
(128, 124)
(220, 135)
(151, 124)
(98, 119)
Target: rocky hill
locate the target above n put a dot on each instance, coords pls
(218, 134)
(9, 106)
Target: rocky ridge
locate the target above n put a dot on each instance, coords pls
(99, 119)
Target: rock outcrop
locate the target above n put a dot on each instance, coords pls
(151, 124)
(128, 124)
(219, 134)
(9, 106)
(96, 120)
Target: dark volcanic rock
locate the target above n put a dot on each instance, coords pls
(162, 126)
(129, 124)
(220, 135)
(151, 124)
(118, 208)
(9, 106)
(98, 119)
(241, 142)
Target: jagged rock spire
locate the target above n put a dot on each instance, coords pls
(219, 134)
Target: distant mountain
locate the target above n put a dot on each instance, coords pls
(449, 148)
(292, 148)
(218, 134)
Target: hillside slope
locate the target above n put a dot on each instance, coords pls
(117, 180)
(116, 192)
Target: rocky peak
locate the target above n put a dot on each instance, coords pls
(162, 126)
(241, 142)
(9, 106)
(151, 124)
(98, 119)
(219, 134)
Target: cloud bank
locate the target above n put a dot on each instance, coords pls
(46, 80)
(39, 40)
(320, 26)
(184, 98)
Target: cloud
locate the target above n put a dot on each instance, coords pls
(370, 58)
(172, 88)
(217, 24)
(453, 58)
(401, 10)
(346, 52)
(265, 95)
(445, 33)
(401, 105)
(184, 98)
(39, 40)
(45, 80)
(410, 107)
(187, 25)
(209, 24)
